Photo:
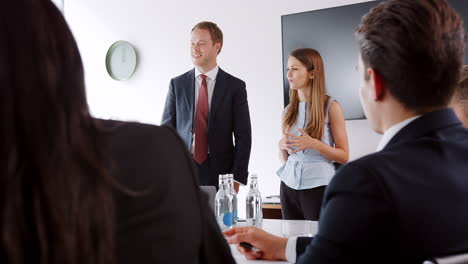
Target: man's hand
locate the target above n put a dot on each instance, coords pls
(236, 187)
(271, 247)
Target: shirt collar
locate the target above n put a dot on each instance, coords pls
(391, 132)
(211, 74)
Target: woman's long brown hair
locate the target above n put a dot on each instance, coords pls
(56, 202)
(318, 99)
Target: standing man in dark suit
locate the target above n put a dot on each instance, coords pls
(207, 107)
(408, 201)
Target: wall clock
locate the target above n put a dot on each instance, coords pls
(121, 60)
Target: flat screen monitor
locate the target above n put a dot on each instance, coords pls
(331, 32)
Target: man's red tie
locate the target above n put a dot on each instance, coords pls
(200, 152)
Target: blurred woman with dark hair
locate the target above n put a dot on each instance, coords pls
(80, 190)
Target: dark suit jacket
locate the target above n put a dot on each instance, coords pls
(229, 114)
(403, 204)
(168, 220)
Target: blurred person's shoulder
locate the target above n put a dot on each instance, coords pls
(144, 149)
(402, 166)
(139, 135)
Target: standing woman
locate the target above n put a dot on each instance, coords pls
(314, 136)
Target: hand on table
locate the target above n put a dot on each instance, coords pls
(271, 247)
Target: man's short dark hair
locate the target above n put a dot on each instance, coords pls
(417, 46)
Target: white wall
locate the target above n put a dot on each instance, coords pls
(58, 3)
(160, 31)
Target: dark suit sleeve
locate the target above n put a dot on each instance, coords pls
(169, 114)
(161, 214)
(355, 222)
(301, 244)
(242, 134)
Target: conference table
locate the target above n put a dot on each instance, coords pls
(282, 228)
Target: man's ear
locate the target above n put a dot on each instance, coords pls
(377, 83)
(218, 46)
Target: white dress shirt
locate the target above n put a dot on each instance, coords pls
(291, 254)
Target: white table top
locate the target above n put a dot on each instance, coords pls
(278, 227)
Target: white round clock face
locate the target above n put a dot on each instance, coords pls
(121, 60)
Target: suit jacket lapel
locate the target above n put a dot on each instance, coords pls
(425, 124)
(218, 95)
(190, 94)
